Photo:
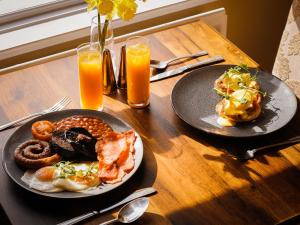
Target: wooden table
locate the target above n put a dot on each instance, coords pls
(197, 182)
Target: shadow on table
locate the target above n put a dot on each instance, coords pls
(3, 218)
(148, 218)
(57, 210)
(152, 125)
(265, 202)
(152, 219)
(159, 121)
(233, 148)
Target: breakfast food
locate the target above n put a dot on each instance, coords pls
(243, 105)
(82, 139)
(73, 143)
(234, 79)
(42, 130)
(95, 126)
(34, 154)
(242, 98)
(116, 156)
(64, 176)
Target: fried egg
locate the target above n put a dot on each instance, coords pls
(42, 179)
(64, 176)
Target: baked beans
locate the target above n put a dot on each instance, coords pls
(96, 127)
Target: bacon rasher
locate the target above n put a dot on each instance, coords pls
(116, 156)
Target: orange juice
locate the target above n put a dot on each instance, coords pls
(138, 74)
(91, 81)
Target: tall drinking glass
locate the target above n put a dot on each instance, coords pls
(90, 76)
(109, 37)
(138, 72)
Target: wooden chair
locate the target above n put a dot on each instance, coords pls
(287, 62)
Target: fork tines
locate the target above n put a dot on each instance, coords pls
(59, 105)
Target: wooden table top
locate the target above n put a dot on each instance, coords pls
(198, 181)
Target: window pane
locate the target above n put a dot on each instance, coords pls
(12, 10)
(9, 6)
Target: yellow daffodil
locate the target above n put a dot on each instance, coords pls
(126, 9)
(91, 4)
(105, 7)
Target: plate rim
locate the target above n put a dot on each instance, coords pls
(228, 135)
(84, 195)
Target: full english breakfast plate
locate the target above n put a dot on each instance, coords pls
(72, 154)
(233, 101)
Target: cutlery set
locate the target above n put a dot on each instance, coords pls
(134, 207)
(162, 65)
(172, 73)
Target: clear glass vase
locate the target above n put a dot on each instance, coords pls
(109, 40)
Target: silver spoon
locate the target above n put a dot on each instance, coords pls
(130, 212)
(163, 64)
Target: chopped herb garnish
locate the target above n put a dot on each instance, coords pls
(225, 95)
(66, 169)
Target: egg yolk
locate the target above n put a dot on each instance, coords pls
(90, 180)
(45, 173)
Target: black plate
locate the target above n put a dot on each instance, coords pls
(194, 101)
(24, 133)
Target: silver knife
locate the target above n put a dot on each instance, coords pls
(134, 195)
(182, 69)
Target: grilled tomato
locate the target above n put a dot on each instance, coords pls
(42, 130)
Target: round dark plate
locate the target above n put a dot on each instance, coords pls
(24, 133)
(194, 101)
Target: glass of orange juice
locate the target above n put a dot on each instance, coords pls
(90, 76)
(138, 72)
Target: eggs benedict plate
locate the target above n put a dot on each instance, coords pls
(244, 110)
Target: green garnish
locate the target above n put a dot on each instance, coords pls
(239, 70)
(264, 94)
(225, 95)
(253, 78)
(66, 169)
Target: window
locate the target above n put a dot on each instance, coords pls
(30, 25)
(12, 10)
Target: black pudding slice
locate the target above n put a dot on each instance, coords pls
(75, 143)
(60, 145)
(82, 141)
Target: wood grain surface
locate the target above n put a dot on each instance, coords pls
(197, 178)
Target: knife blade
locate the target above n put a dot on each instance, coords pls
(182, 69)
(137, 194)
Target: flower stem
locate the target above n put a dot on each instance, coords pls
(103, 36)
(99, 32)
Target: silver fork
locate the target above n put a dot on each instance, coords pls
(56, 107)
(164, 64)
(250, 153)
